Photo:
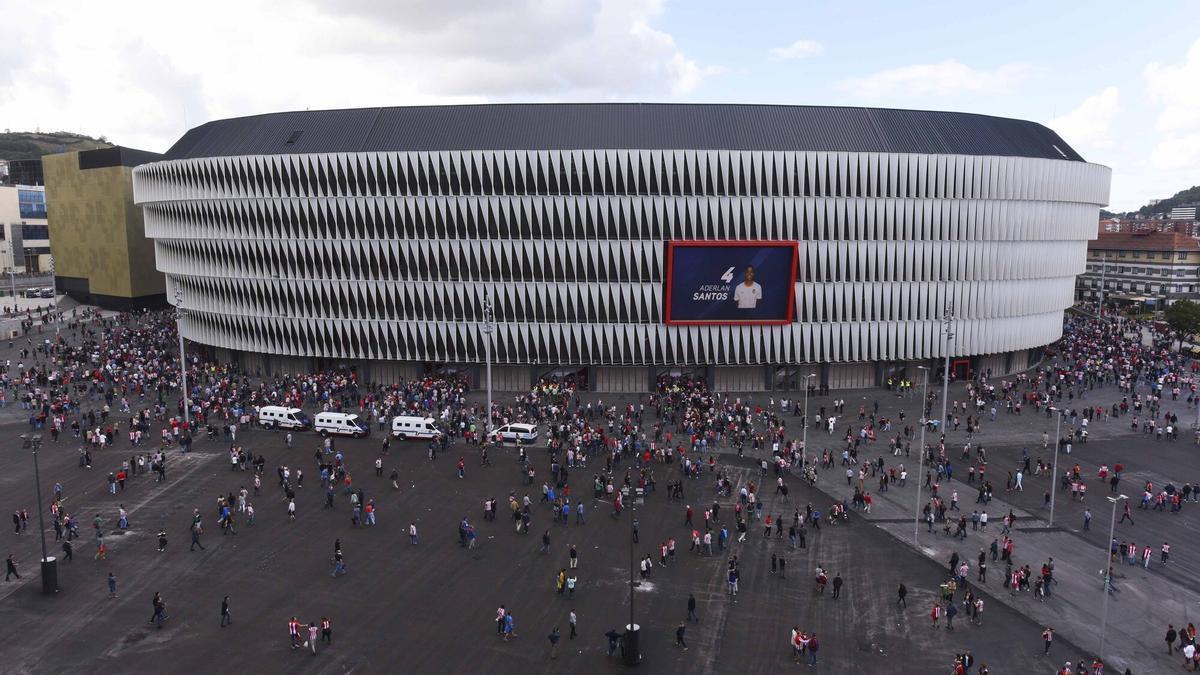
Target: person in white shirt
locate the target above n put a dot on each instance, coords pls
(748, 293)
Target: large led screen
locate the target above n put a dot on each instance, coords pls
(731, 282)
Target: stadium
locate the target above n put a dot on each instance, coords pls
(752, 245)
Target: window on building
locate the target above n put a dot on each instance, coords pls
(35, 232)
(1182, 255)
(1137, 254)
(32, 203)
(1120, 254)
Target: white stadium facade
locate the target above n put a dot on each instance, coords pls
(613, 241)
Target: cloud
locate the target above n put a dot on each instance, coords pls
(164, 67)
(1175, 86)
(1177, 153)
(800, 49)
(942, 78)
(1089, 125)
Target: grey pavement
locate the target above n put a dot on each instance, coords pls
(1144, 602)
(430, 607)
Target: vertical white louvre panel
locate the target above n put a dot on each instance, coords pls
(317, 270)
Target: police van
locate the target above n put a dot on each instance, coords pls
(405, 427)
(280, 417)
(517, 432)
(340, 424)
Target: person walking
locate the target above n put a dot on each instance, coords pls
(901, 593)
(326, 630)
(197, 530)
(554, 637)
(160, 607)
(10, 568)
(226, 617)
(1126, 513)
(412, 534)
(571, 621)
(312, 638)
(691, 606)
(1048, 639)
(294, 632)
(837, 586)
(1171, 635)
(112, 586)
(679, 631)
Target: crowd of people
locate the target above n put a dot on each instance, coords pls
(107, 381)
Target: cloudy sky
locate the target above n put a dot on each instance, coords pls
(1119, 80)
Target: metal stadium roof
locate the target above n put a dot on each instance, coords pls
(579, 126)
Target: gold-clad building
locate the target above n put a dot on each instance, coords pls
(101, 253)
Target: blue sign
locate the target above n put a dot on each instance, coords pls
(731, 282)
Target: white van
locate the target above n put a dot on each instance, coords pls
(404, 427)
(340, 424)
(517, 432)
(279, 417)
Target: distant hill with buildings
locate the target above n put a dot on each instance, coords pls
(16, 145)
(1188, 196)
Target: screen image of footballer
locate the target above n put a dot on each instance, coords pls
(732, 282)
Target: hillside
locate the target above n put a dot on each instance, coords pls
(32, 145)
(1191, 194)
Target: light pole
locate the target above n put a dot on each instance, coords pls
(182, 363)
(489, 327)
(1106, 571)
(804, 428)
(921, 454)
(49, 565)
(632, 648)
(12, 273)
(54, 289)
(1054, 472)
(948, 331)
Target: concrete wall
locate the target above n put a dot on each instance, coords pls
(851, 375)
(632, 380)
(738, 378)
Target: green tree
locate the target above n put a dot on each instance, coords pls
(1184, 316)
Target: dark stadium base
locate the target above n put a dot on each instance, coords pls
(640, 379)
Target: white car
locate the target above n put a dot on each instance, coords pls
(517, 432)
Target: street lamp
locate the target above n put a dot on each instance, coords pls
(921, 454)
(948, 331)
(49, 565)
(1106, 571)
(1054, 471)
(54, 288)
(12, 274)
(632, 648)
(182, 363)
(804, 428)
(489, 327)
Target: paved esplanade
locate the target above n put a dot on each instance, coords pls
(431, 606)
(1145, 600)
